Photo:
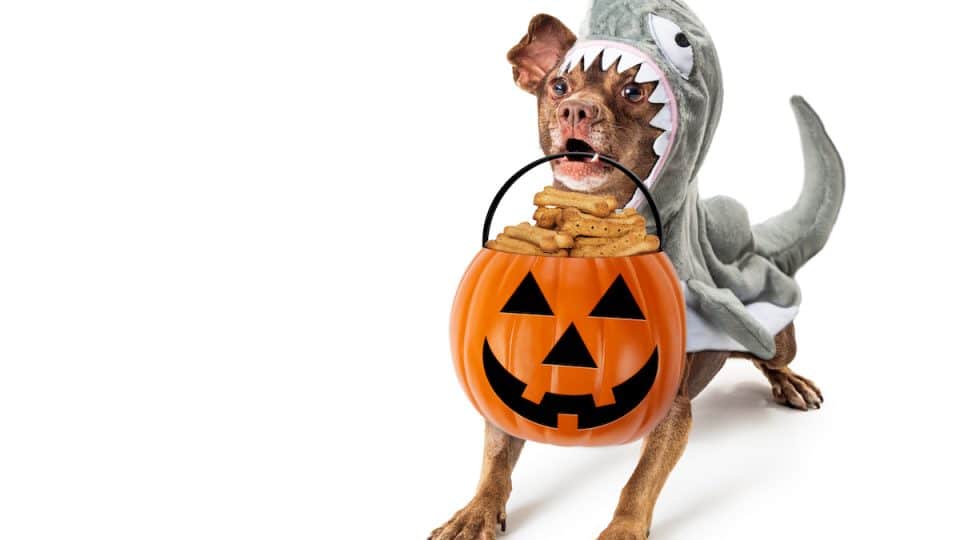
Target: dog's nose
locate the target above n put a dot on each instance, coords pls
(575, 112)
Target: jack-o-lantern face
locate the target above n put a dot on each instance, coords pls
(570, 351)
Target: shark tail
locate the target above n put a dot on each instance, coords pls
(794, 237)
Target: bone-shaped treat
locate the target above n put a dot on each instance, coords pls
(597, 205)
(520, 247)
(548, 218)
(549, 241)
(585, 241)
(633, 243)
(575, 223)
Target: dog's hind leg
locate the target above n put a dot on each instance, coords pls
(789, 389)
(661, 451)
(481, 517)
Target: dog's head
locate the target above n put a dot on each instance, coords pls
(589, 104)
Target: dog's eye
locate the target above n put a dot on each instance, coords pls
(634, 93)
(560, 87)
(674, 44)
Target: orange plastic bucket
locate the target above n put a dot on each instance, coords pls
(570, 351)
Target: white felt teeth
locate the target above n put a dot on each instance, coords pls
(627, 62)
(609, 57)
(661, 144)
(663, 120)
(647, 74)
(659, 95)
(572, 60)
(590, 56)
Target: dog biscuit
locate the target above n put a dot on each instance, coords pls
(596, 205)
(577, 224)
(512, 245)
(633, 218)
(548, 218)
(548, 240)
(519, 247)
(633, 243)
(585, 241)
(564, 241)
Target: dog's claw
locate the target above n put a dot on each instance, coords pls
(792, 390)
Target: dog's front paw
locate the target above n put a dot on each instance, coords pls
(479, 520)
(626, 529)
(792, 390)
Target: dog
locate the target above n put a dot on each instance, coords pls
(588, 107)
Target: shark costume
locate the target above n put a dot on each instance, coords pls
(738, 280)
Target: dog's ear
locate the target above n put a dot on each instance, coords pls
(546, 42)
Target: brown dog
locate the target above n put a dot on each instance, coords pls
(607, 113)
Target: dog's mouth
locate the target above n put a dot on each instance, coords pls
(581, 172)
(577, 145)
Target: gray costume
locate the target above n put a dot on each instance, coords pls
(738, 279)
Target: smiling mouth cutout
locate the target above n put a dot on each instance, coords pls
(628, 394)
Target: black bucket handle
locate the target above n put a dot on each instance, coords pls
(613, 163)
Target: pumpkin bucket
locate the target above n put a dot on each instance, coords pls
(570, 351)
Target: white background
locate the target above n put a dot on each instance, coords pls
(230, 234)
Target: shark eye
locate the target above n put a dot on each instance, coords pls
(674, 44)
(559, 87)
(634, 93)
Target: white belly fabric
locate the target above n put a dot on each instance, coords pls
(704, 336)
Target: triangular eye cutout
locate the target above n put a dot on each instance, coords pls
(528, 299)
(618, 303)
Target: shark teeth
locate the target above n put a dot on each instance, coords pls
(646, 74)
(573, 60)
(659, 95)
(663, 120)
(660, 145)
(609, 57)
(628, 62)
(590, 56)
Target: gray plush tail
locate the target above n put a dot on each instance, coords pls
(794, 237)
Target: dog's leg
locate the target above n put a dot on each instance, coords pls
(789, 388)
(661, 451)
(480, 518)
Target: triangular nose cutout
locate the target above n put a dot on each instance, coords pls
(571, 351)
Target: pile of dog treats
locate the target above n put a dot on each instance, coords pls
(578, 225)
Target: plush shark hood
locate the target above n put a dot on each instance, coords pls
(673, 47)
(738, 279)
